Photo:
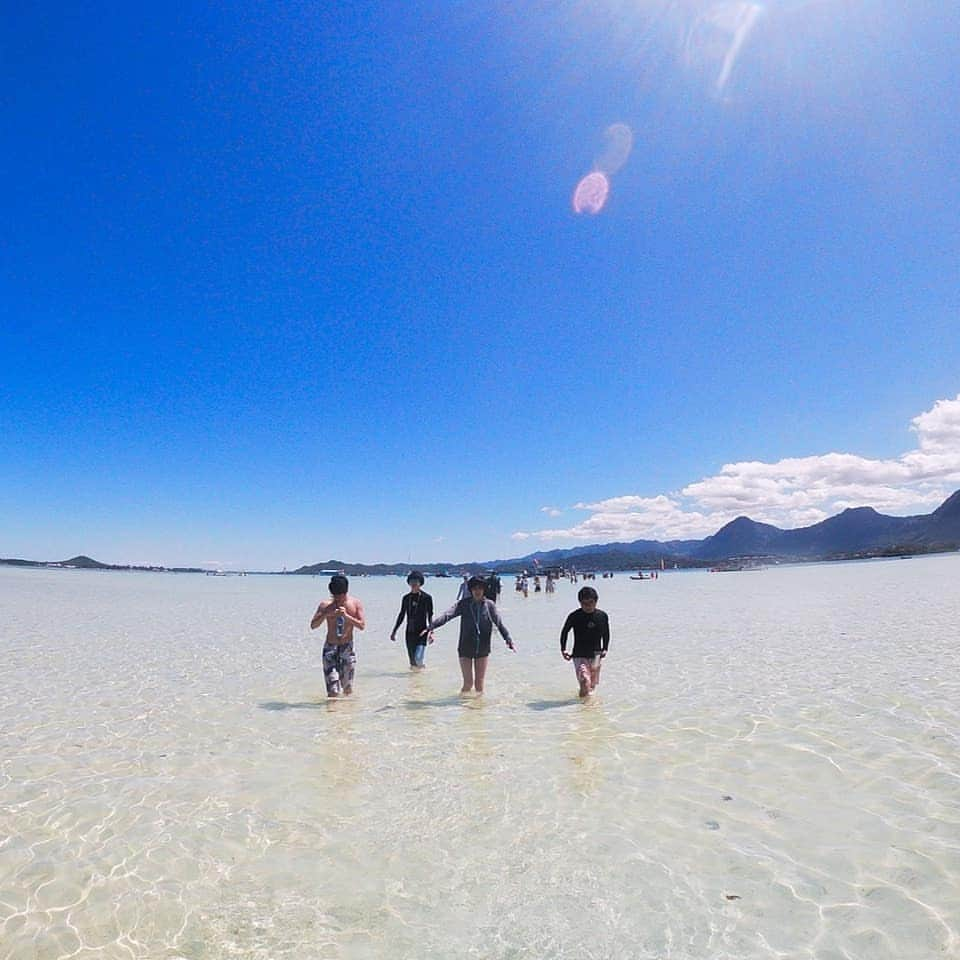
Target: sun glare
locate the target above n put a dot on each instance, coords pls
(591, 193)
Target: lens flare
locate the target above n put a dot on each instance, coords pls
(591, 193)
(717, 37)
(618, 142)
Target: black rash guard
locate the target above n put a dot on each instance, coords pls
(591, 633)
(418, 609)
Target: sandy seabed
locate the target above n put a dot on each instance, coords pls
(770, 769)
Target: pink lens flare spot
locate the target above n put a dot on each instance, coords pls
(591, 193)
(618, 142)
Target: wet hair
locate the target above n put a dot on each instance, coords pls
(587, 593)
(339, 584)
(415, 575)
(476, 582)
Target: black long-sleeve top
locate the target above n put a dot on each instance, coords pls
(418, 609)
(591, 633)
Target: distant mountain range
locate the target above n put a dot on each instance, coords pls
(87, 563)
(858, 532)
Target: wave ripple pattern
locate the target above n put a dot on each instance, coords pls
(769, 769)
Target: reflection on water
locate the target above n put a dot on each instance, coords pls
(768, 770)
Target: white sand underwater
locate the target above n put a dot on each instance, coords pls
(770, 769)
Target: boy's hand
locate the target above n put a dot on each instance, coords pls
(511, 645)
(603, 654)
(393, 636)
(566, 656)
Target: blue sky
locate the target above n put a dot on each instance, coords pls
(288, 282)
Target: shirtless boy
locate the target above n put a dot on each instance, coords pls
(342, 614)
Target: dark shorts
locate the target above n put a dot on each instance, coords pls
(473, 651)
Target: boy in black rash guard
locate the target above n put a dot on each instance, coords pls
(417, 607)
(591, 638)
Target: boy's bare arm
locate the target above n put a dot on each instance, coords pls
(321, 614)
(358, 620)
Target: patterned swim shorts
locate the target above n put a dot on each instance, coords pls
(339, 662)
(583, 667)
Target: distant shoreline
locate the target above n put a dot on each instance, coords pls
(858, 533)
(442, 571)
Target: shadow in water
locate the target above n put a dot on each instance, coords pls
(553, 704)
(438, 702)
(303, 705)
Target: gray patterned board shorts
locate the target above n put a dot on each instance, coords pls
(339, 661)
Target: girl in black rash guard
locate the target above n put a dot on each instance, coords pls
(417, 607)
(478, 616)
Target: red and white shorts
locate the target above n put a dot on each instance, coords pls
(584, 667)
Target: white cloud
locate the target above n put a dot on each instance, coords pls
(629, 505)
(939, 428)
(792, 492)
(551, 511)
(630, 518)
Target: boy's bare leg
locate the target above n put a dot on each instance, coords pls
(595, 676)
(480, 668)
(466, 668)
(584, 679)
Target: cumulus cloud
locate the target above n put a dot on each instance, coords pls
(793, 492)
(939, 428)
(551, 511)
(629, 518)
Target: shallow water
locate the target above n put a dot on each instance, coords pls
(770, 769)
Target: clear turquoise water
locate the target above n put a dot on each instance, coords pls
(770, 769)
